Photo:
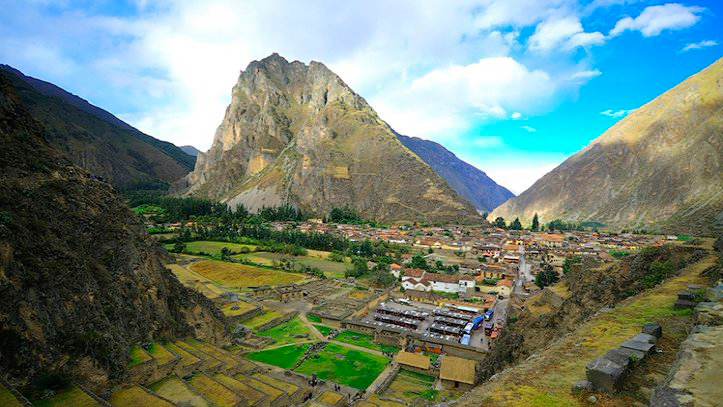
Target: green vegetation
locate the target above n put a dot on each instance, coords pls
(659, 271)
(500, 222)
(568, 262)
(138, 356)
(547, 276)
(410, 385)
(516, 224)
(288, 332)
(535, 223)
(283, 357)
(210, 248)
(365, 341)
(233, 275)
(69, 396)
(323, 329)
(619, 254)
(343, 215)
(344, 366)
(313, 318)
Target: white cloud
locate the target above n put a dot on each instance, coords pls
(566, 32)
(616, 113)
(585, 75)
(655, 19)
(488, 141)
(529, 129)
(444, 99)
(699, 45)
(516, 116)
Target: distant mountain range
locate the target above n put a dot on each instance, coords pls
(297, 134)
(190, 150)
(97, 140)
(464, 178)
(659, 168)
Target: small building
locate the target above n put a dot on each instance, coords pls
(415, 362)
(458, 373)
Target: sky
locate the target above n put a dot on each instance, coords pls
(513, 87)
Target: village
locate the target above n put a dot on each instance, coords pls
(341, 340)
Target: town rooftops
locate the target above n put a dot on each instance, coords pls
(457, 369)
(417, 360)
(414, 273)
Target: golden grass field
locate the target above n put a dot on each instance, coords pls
(234, 275)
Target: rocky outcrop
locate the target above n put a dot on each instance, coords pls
(80, 280)
(659, 168)
(468, 181)
(297, 134)
(96, 140)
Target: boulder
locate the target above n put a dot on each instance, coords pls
(605, 375)
(714, 293)
(644, 347)
(709, 313)
(654, 329)
(581, 386)
(644, 338)
(684, 304)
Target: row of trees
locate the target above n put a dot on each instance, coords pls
(554, 225)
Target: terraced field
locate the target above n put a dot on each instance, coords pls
(331, 269)
(288, 332)
(365, 341)
(178, 391)
(261, 319)
(70, 396)
(410, 386)
(234, 275)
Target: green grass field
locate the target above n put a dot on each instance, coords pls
(314, 319)
(365, 341)
(345, 366)
(69, 396)
(209, 247)
(283, 357)
(287, 332)
(138, 356)
(325, 330)
(331, 269)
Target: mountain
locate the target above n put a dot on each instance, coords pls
(190, 150)
(659, 168)
(467, 180)
(97, 140)
(297, 134)
(80, 280)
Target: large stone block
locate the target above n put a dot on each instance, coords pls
(686, 295)
(654, 329)
(605, 375)
(644, 338)
(644, 347)
(633, 355)
(684, 304)
(621, 357)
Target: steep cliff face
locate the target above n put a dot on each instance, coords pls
(661, 167)
(297, 134)
(468, 181)
(97, 140)
(80, 280)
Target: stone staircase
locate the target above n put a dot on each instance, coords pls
(184, 373)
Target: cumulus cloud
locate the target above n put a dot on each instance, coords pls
(516, 116)
(616, 113)
(566, 32)
(515, 175)
(529, 129)
(699, 45)
(441, 99)
(656, 19)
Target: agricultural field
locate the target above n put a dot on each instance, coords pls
(209, 247)
(289, 332)
(234, 275)
(365, 341)
(195, 281)
(283, 357)
(177, 391)
(331, 269)
(69, 396)
(237, 308)
(409, 386)
(259, 320)
(138, 356)
(345, 366)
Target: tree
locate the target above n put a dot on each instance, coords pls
(566, 265)
(359, 268)
(179, 247)
(485, 215)
(547, 276)
(535, 223)
(516, 225)
(500, 222)
(225, 253)
(418, 262)
(383, 278)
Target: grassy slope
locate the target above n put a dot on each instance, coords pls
(345, 366)
(563, 362)
(286, 332)
(283, 357)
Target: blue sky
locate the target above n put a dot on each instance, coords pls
(511, 86)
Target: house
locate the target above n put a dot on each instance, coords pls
(395, 269)
(421, 284)
(426, 297)
(504, 287)
(458, 373)
(444, 283)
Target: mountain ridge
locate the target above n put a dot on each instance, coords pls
(657, 169)
(95, 139)
(297, 134)
(469, 181)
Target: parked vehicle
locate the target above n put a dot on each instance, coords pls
(465, 339)
(489, 326)
(477, 322)
(489, 314)
(468, 328)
